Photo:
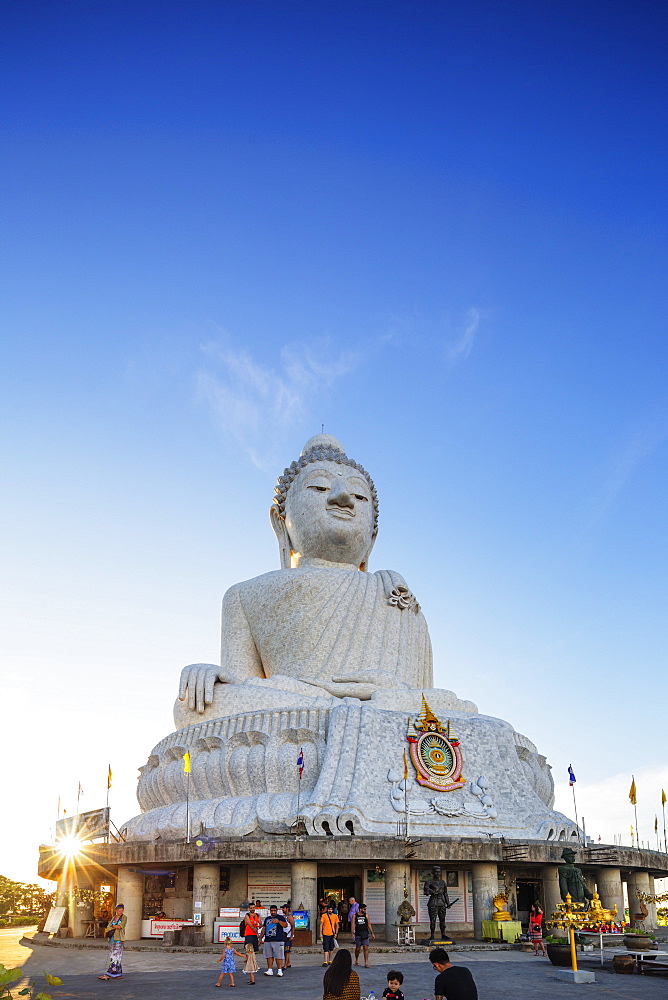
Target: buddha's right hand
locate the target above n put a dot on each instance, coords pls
(198, 679)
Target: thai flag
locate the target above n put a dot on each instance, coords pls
(571, 776)
(300, 762)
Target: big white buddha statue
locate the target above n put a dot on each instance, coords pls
(327, 662)
(322, 623)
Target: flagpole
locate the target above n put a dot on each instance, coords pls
(663, 807)
(406, 792)
(188, 807)
(577, 821)
(635, 810)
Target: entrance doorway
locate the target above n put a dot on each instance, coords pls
(339, 889)
(528, 892)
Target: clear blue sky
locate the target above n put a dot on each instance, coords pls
(439, 228)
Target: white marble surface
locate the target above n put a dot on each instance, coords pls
(245, 778)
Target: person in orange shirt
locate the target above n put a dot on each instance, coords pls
(329, 928)
(251, 927)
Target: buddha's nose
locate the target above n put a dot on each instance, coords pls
(339, 495)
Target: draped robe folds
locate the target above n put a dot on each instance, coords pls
(288, 633)
(314, 624)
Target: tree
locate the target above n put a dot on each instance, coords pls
(23, 899)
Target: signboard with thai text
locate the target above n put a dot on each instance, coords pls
(158, 927)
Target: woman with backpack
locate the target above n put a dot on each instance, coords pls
(249, 927)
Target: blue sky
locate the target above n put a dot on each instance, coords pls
(437, 228)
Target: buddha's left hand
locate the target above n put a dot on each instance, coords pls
(361, 684)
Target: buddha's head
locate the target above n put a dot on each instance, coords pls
(325, 508)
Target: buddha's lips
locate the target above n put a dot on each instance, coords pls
(340, 511)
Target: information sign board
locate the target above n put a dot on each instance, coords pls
(84, 826)
(54, 919)
(158, 927)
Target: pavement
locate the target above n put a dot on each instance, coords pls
(152, 975)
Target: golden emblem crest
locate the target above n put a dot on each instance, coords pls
(435, 752)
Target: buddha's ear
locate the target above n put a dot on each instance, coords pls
(281, 532)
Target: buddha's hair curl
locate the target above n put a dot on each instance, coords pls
(322, 453)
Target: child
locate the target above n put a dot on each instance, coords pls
(227, 958)
(250, 965)
(394, 981)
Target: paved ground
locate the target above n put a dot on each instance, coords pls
(506, 975)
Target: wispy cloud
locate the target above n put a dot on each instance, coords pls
(260, 405)
(459, 349)
(636, 449)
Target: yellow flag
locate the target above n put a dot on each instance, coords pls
(663, 797)
(632, 832)
(186, 763)
(109, 777)
(632, 792)
(405, 767)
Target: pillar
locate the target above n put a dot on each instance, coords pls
(652, 921)
(551, 894)
(130, 892)
(485, 888)
(206, 882)
(641, 882)
(304, 891)
(611, 890)
(65, 893)
(395, 873)
(636, 880)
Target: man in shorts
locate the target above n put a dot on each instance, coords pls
(272, 937)
(362, 929)
(453, 982)
(329, 928)
(251, 927)
(289, 934)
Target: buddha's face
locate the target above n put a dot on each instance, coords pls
(329, 514)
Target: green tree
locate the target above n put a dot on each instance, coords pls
(23, 899)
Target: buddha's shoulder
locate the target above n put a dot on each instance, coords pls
(309, 576)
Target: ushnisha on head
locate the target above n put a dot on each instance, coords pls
(325, 510)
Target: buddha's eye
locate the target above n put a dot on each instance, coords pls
(360, 496)
(320, 489)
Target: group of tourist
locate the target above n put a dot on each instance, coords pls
(359, 924)
(275, 935)
(453, 982)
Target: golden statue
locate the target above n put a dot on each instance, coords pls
(598, 916)
(500, 903)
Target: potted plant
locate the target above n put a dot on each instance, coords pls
(558, 951)
(638, 940)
